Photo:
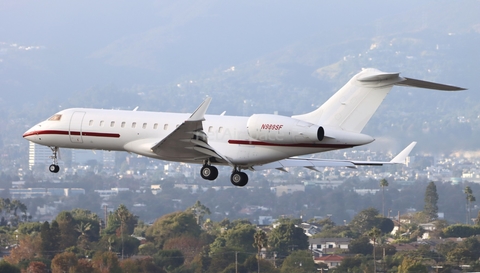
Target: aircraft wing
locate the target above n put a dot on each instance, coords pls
(312, 163)
(188, 141)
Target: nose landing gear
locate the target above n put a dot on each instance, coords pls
(54, 168)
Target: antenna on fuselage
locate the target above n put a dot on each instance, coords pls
(136, 108)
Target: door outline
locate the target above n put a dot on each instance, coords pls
(75, 127)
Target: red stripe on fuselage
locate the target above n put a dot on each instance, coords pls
(301, 145)
(72, 133)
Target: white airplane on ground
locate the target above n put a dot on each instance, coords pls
(258, 142)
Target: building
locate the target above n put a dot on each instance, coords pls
(38, 155)
(323, 246)
(331, 260)
(24, 193)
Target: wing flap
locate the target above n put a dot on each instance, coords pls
(188, 142)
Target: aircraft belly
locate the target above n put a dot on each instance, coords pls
(249, 155)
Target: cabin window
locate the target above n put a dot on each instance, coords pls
(165, 127)
(123, 124)
(55, 117)
(144, 126)
(220, 130)
(101, 123)
(210, 129)
(90, 123)
(155, 126)
(177, 125)
(112, 124)
(134, 124)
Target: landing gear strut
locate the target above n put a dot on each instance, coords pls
(209, 172)
(239, 178)
(54, 168)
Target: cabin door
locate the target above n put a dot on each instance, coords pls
(75, 130)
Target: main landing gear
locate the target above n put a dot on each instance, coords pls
(54, 168)
(209, 172)
(237, 178)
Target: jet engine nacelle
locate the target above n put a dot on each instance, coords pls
(283, 130)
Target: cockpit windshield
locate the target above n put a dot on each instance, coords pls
(55, 117)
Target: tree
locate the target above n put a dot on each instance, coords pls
(83, 266)
(6, 267)
(144, 265)
(199, 210)
(189, 246)
(374, 234)
(66, 224)
(460, 255)
(365, 220)
(83, 228)
(470, 198)
(47, 249)
(121, 214)
(168, 259)
(349, 264)
(260, 241)
(64, 262)
(383, 184)
(431, 198)
(360, 245)
(36, 267)
(172, 225)
(410, 264)
(28, 247)
(106, 262)
(286, 238)
(298, 261)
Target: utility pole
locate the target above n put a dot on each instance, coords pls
(236, 262)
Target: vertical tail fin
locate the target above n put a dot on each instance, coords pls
(355, 103)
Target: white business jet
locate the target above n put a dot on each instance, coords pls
(258, 142)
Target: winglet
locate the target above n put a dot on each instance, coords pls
(199, 114)
(400, 158)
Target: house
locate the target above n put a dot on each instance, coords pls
(309, 229)
(331, 260)
(323, 246)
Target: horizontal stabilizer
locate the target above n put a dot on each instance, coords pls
(429, 85)
(380, 76)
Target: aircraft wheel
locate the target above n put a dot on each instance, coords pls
(54, 168)
(239, 179)
(209, 172)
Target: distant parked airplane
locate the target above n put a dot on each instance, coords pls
(258, 142)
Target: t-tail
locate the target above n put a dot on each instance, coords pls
(355, 103)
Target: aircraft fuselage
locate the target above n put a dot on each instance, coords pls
(139, 131)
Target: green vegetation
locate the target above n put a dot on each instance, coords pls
(183, 241)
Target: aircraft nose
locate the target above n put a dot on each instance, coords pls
(30, 132)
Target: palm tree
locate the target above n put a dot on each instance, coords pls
(260, 241)
(374, 234)
(83, 228)
(200, 211)
(383, 184)
(122, 214)
(470, 198)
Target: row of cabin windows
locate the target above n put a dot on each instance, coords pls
(133, 125)
(144, 125)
